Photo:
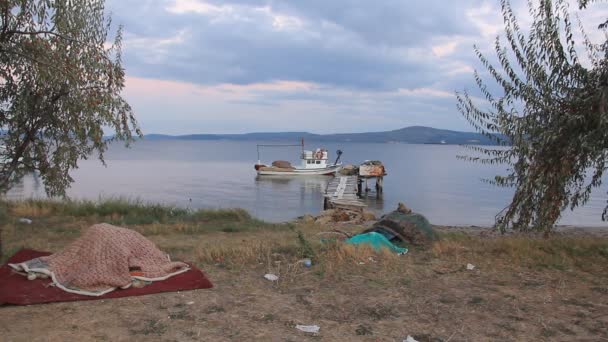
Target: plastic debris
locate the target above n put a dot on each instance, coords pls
(307, 262)
(410, 339)
(271, 277)
(377, 241)
(25, 220)
(189, 303)
(470, 267)
(308, 328)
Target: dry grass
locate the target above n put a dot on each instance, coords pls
(232, 238)
(521, 289)
(559, 252)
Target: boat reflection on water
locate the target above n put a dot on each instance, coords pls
(282, 198)
(305, 193)
(305, 184)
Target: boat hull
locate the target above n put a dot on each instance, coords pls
(327, 171)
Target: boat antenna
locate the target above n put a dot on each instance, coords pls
(339, 153)
(302, 145)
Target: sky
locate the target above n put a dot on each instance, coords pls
(322, 66)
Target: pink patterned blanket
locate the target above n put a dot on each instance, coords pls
(104, 258)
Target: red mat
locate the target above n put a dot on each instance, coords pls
(16, 289)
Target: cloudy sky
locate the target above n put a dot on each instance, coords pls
(208, 66)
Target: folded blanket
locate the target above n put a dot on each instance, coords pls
(104, 258)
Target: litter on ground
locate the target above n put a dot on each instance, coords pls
(271, 277)
(470, 267)
(308, 328)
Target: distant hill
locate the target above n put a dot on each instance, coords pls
(407, 135)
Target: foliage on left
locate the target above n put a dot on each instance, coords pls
(60, 84)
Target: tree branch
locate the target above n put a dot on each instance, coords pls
(35, 33)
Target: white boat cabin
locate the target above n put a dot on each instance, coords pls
(316, 159)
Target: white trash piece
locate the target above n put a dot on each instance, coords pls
(308, 328)
(271, 277)
(410, 339)
(470, 267)
(25, 220)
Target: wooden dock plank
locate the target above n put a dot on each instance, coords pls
(342, 192)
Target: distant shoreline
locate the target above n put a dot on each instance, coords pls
(407, 135)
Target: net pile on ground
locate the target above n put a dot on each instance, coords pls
(103, 259)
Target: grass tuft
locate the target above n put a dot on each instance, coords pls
(124, 211)
(560, 253)
(232, 238)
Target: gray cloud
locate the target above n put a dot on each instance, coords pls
(348, 44)
(392, 60)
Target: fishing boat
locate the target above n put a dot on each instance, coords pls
(312, 163)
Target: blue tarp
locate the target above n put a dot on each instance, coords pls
(376, 241)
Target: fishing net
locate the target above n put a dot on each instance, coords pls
(282, 164)
(104, 258)
(410, 227)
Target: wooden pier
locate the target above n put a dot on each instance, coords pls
(342, 192)
(346, 190)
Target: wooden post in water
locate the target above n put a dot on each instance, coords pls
(379, 186)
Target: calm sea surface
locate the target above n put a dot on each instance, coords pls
(220, 174)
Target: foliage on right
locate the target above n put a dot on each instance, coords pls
(550, 117)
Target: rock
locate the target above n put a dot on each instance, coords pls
(403, 209)
(411, 227)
